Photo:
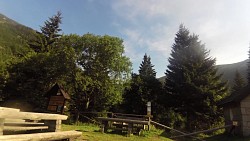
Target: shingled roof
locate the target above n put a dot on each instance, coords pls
(55, 89)
(235, 97)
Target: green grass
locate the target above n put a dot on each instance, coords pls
(227, 137)
(91, 132)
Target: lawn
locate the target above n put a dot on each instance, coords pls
(90, 132)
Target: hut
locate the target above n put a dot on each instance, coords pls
(57, 98)
(236, 109)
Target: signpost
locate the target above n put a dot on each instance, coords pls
(148, 108)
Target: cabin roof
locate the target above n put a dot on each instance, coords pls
(54, 90)
(235, 97)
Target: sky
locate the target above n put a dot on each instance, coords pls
(147, 26)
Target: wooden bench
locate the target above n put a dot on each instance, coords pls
(29, 126)
(128, 125)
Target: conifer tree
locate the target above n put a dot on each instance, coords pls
(192, 84)
(144, 87)
(47, 38)
(146, 68)
(238, 82)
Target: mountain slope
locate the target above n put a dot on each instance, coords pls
(228, 71)
(13, 38)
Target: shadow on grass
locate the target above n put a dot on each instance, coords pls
(227, 137)
(113, 132)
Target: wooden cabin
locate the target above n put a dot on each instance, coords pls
(236, 109)
(57, 98)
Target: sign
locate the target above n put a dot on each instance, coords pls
(148, 108)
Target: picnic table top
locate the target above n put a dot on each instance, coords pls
(125, 120)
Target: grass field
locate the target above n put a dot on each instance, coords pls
(91, 132)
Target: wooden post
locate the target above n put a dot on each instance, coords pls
(105, 126)
(1, 126)
(130, 129)
(53, 125)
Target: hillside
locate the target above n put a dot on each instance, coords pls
(13, 38)
(228, 71)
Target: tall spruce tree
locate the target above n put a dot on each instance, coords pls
(144, 87)
(238, 82)
(192, 84)
(47, 38)
(146, 68)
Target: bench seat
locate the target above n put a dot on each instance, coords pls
(20, 128)
(48, 136)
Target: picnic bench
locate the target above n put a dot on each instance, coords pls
(29, 126)
(125, 122)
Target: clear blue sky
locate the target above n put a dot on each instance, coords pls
(147, 26)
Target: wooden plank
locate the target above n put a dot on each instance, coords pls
(23, 123)
(52, 108)
(55, 98)
(14, 120)
(31, 116)
(20, 128)
(42, 136)
(56, 102)
(9, 109)
(123, 120)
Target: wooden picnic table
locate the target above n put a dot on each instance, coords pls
(34, 126)
(124, 124)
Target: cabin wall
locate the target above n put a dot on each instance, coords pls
(245, 110)
(233, 113)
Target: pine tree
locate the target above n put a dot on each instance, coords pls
(192, 86)
(47, 38)
(238, 82)
(146, 68)
(144, 87)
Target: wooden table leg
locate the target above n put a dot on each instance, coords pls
(130, 128)
(105, 124)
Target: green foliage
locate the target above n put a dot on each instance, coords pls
(133, 102)
(32, 76)
(3, 79)
(104, 71)
(192, 86)
(13, 39)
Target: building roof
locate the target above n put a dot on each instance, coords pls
(54, 90)
(235, 97)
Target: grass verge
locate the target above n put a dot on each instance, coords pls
(91, 132)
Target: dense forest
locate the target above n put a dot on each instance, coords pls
(97, 75)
